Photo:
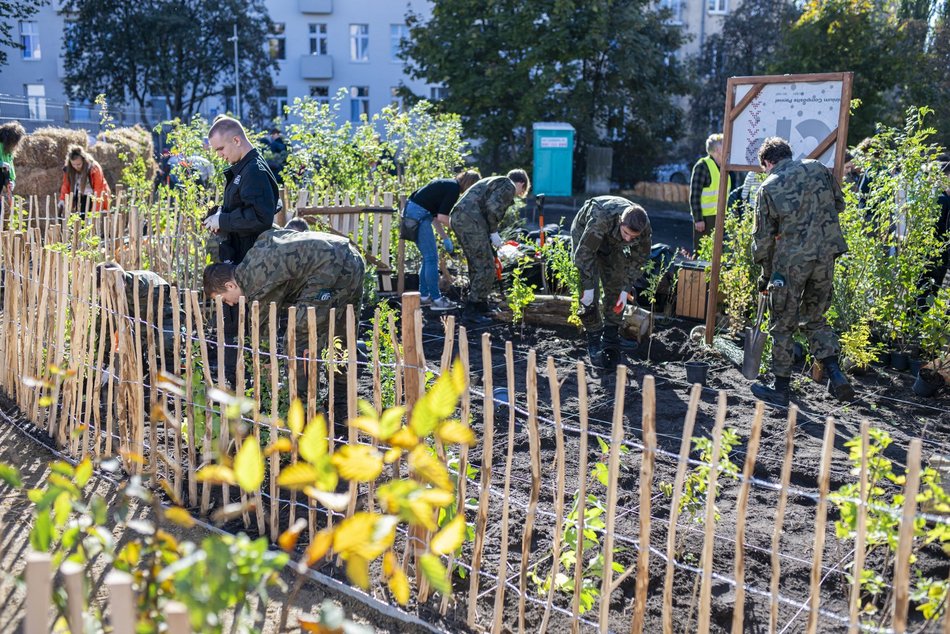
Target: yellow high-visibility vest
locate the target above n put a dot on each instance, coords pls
(711, 193)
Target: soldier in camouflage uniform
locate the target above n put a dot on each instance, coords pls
(611, 243)
(474, 219)
(797, 239)
(295, 268)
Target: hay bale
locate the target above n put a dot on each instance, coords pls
(107, 155)
(38, 151)
(130, 143)
(40, 182)
(64, 138)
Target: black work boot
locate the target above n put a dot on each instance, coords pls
(595, 348)
(838, 384)
(611, 353)
(778, 394)
(476, 314)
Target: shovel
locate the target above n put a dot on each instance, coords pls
(754, 343)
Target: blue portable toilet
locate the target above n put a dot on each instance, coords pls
(553, 158)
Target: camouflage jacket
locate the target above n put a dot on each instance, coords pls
(596, 233)
(491, 197)
(290, 267)
(796, 216)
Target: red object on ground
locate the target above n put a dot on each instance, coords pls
(497, 268)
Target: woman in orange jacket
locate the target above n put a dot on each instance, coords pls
(84, 179)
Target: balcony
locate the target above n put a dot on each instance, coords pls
(316, 66)
(315, 6)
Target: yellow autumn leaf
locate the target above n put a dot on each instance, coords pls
(454, 432)
(392, 455)
(405, 438)
(420, 512)
(327, 477)
(330, 500)
(319, 547)
(366, 425)
(357, 570)
(360, 463)
(313, 444)
(281, 445)
(429, 468)
(216, 474)
(296, 417)
(297, 476)
(435, 572)
(437, 497)
(399, 586)
(391, 421)
(179, 516)
(389, 563)
(353, 531)
(450, 537)
(249, 465)
(288, 539)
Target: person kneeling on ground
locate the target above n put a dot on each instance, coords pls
(611, 243)
(294, 268)
(84, 180)
(430, 206)
(475, 220)
(799, 202)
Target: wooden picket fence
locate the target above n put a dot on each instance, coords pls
(58, 319)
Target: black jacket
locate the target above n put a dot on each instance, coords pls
(251, 199)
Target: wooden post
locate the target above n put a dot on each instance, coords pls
(207, 453)
(559, 479)
(860, 541)
(581, 494)
(410, 308)
(223, 433)
(535, 453)
(780, 518)
(258, 384)
(752, 450)
(176, 617)
(681, 466)
(481, 519)
(509, 457)
(709, 524)
(121, 601)
(275, 431)
(613, 473)
(351, 395)
(75, 597)
(821, 517)
(646, 493)
(905, 541)
(39, 592)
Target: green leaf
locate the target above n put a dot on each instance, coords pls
(296, 417)
(10, 475)
(249, 465)
(42, 534)
(313, 444)
(435, 572)
(83, 472)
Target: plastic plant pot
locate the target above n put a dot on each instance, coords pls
(900, 361)
(927, 383)
(696, 372)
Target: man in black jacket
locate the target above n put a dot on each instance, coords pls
(251, 196)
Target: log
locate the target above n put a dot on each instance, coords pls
(545, 310)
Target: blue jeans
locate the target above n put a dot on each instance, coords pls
(429, 273)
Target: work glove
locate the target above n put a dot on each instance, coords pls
(213, 222)
(621, 302)
(496, 240)
(448, 246)
(60, 206)
(588, 297)
(763, 283)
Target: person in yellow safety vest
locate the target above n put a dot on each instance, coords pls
(704, 189)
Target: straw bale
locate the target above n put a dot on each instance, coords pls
(107, 155)
(38, 151)
(64, 138)
(41, 182)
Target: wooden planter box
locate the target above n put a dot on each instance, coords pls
(692, 291)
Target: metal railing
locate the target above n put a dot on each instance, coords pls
(34, 112)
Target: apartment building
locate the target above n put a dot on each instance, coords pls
(699, 19)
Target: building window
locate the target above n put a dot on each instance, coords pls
(277, 42)
(318, 39)
(397, 33)
(359, 102)
(718, 6)
(277, 101)
(676, 10)
(30, 39)
(396, 98)
(320, 93)
(36, 100)
(359, 42)
(437, 93)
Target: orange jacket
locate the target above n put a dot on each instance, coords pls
(96, 180)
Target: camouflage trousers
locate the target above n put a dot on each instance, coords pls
(801, 304)
(612, 275)
(472, 231)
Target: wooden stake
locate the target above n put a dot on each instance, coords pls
(752, 450)
(509, 457)
(581, 494)
(413, 378)
(75, 597)
(481, 519)
(613, 473)
(207, 443)
(224, 433)
(905, 541)
(681, 466)
(780, 518)
(534, 443)
(351, 394)
(121, 601)
(860, 541)
(258, 384)
(646, 492)
(705, 587)
(176, 617)
(821, 517)
(559, 477)
(465, 417)
(291, 335)
(313, 356)
(39, 592)
(275, 429)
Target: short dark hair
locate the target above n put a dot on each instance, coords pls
(297, 224)
(10, 136)
(216, 276)
(635, 218)
(773, 150)
(520, 176)
(275, 131)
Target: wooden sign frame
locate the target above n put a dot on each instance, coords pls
(838, 137)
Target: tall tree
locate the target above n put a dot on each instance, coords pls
(605, 66)
(748, 41)
(178, 50)
(10, 12)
